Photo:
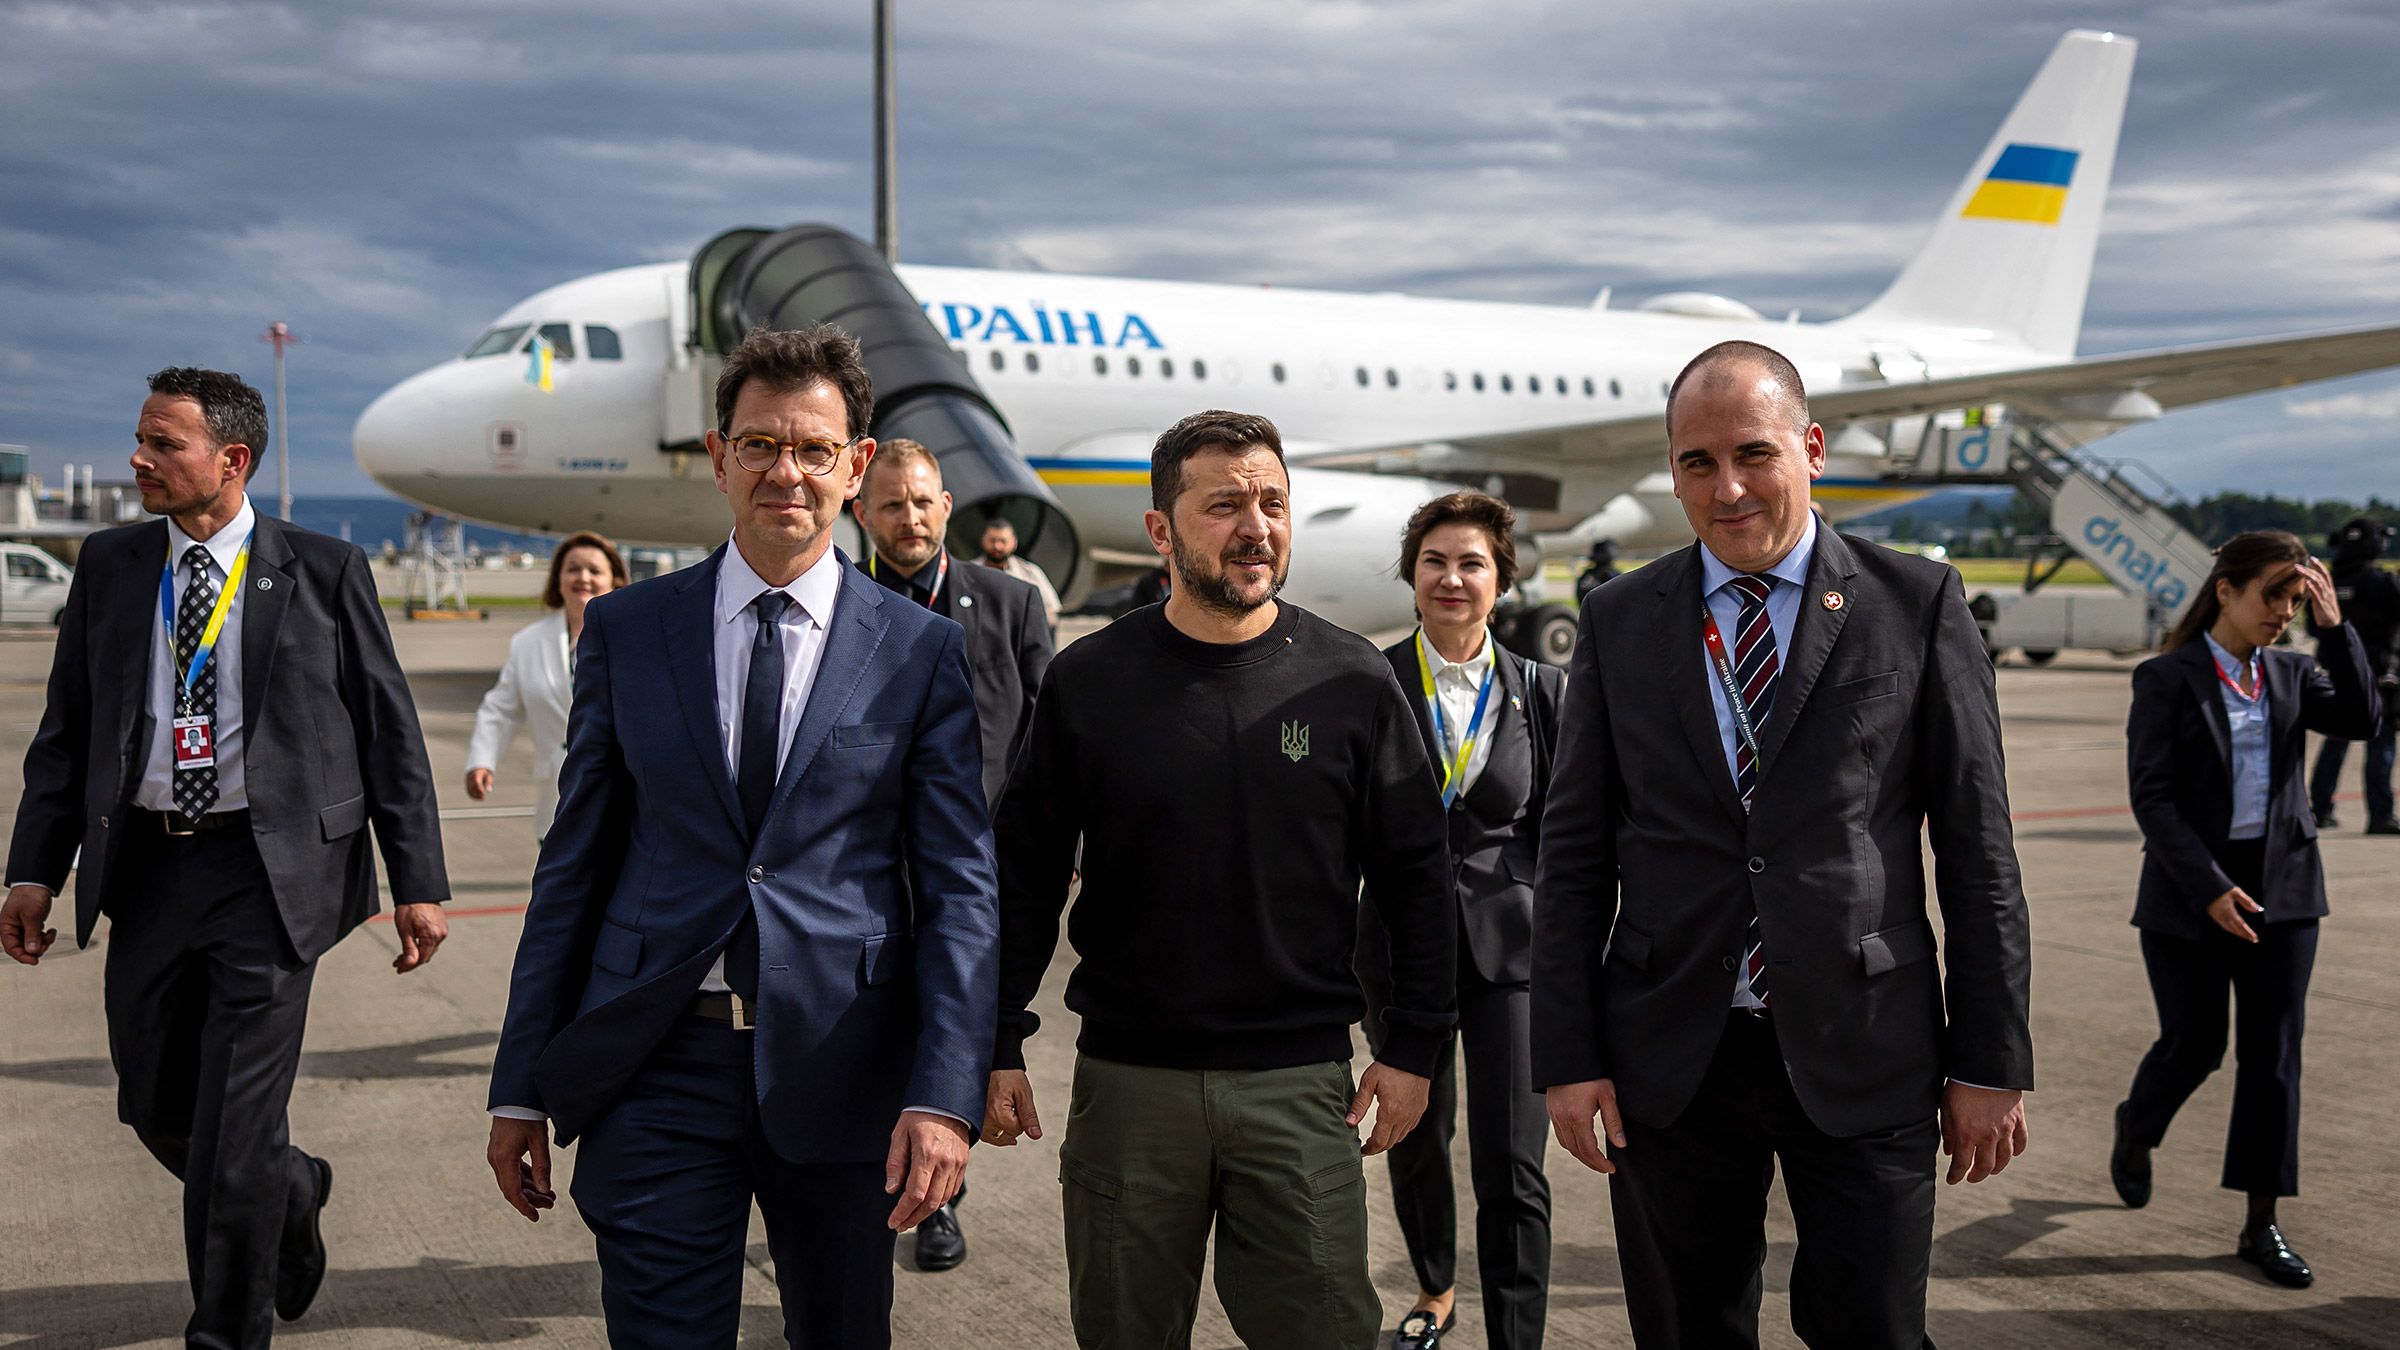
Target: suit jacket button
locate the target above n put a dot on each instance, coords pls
(1758, 865)
(104, 822)
(757, 875)
(1730, 964)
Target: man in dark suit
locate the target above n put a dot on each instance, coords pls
(759, 957)
(905, 512)
(1735, 966)
(225, 718)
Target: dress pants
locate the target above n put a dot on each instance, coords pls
(2189, 979)
(664, 1179)
(1508, 1127)
(2326, 779)
(206, 1003)
(1690, 1202)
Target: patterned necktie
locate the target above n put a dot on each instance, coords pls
(196, 789)
(1754, 669)
(762, 721)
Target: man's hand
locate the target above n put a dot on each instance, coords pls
(927, 1162)
(21, 918)
(1008, 1109)
(1399, 1099)
(479, 783)
(2227, 910)
(1572, 1107)
(1982, 1128)
(421, 929)
(520, 1159)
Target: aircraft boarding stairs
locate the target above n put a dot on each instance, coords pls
(2113, 513)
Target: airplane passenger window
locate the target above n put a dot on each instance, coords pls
(1099, 365)
(1589, 389)
(1615, 390)
(1133, 365)
(1450, 380)
(1278, 372)
(1506, 387)
(561, 338)
(1391, 378)
(1562, 386)
(1033, 363)
(1362, 377)
(1199, 369)
(999, 359)
(1166, 368)
(1479, 382)
(1533, 384)
(496, 341)
(601, 344)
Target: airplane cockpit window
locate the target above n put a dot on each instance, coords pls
(1199, 369)
(496, 341)
(1277, 371)
(602, 344)
(561, 338)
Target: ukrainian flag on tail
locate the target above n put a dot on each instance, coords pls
(537, 367)
(2027, 183)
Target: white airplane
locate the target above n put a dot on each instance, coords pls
(1384, 400)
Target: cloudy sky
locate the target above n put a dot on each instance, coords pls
(385, 175)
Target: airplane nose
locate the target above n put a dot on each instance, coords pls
(401, 434)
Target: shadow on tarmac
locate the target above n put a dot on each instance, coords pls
(407, 1059)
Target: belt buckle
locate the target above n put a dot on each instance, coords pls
(167, 821)
(743, 1020)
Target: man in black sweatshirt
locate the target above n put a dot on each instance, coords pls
(1234, 767)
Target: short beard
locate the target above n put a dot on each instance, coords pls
(1215, 591)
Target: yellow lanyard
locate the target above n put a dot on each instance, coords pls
(1454, 772)
(216, 616)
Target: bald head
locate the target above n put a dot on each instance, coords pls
(901, 453)
(1743, 370)
(902, 506)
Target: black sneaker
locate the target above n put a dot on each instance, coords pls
(941, 1245)
(2129, 1166)
(2275, 1258)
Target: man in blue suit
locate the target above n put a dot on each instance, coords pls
(759, 960)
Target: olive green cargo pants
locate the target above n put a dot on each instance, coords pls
(1154, 1157)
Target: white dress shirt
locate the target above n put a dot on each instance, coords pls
(1455, 686)
(1783, 614)
(803, 628)
(157, 789)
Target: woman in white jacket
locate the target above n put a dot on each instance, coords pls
(537, 685)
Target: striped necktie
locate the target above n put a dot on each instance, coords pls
(1755, 669)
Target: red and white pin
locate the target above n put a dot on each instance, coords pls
(1833, 600)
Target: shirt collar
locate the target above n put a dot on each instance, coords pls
(1469, 670)
(1793, 569)
(916, 587)
(738, 584)
(223, 546)
(2224, 658)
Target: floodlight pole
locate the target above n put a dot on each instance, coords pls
(887, 171)
(281, 335)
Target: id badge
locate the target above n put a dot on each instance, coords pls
(195, 743)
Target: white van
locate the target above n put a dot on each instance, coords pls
(33, 589)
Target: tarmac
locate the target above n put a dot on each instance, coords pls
(424, 1252)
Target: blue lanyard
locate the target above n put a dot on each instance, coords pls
(1454, 768)
(216, 615)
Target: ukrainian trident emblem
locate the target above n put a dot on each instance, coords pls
(1295, 741)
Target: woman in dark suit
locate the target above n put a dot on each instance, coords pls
(2231, 887)
(1488, 717)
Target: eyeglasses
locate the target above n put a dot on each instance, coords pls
(758, 454)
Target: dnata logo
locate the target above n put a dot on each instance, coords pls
(2027, 183)
(2153, 572)
(1041, 325)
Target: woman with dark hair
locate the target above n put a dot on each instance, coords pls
(1489, 719)
(2231, 887)
(537, 685)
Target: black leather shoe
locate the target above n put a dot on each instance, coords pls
(2327, 820)
(2385, 826)
(2129, 1166)
(941, 1244)
(2275, 1258)
(1418, 1330)
(300, 1269)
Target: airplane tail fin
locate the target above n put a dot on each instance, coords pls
(2012, 253)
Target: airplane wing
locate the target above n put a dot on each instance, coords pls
(2174, 377)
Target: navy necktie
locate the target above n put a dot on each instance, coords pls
(762, 722)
